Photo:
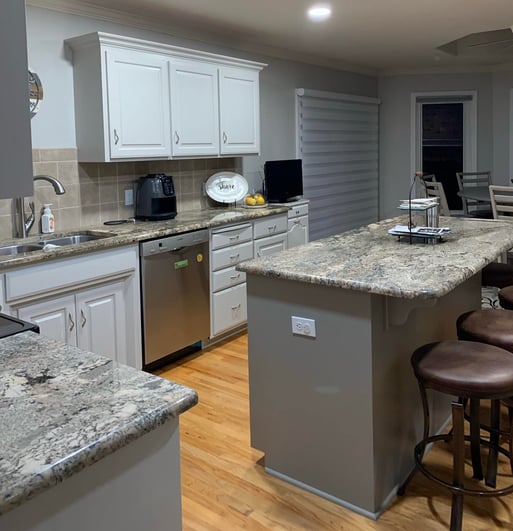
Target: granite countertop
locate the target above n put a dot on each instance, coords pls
(369, 259)
(126, 234)
(63, 409)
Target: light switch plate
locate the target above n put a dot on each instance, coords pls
(303, 326)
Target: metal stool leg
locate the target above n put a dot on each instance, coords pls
(475, 445)
(458, 465)
(495, 422)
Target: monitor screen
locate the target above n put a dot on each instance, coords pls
(283, 180)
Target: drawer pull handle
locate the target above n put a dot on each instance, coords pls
(234, 256)
(116, 138)
(84, 320)
(234, 237)
(235, 277)
(177, 138)
(72, 323)
(272, 228)
(225, 138)
(236, 307)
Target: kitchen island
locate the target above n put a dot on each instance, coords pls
(86, 443)
(334, 403)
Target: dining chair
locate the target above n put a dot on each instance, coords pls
(501, 198)
(474, 179)
(434, 188)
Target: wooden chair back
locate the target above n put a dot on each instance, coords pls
(472, 178)
(502, 201)
(436, 189)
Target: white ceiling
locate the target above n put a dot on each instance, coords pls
(369, 35)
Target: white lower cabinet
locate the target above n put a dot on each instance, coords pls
(91, 302)
(230, 308)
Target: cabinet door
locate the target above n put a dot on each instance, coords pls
(102, 321)
(229, 308)
(138, 104)
(270, 245)
(297, 231)
(194, 108)
(55, 318)
(239, 111)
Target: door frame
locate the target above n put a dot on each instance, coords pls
(469, 125)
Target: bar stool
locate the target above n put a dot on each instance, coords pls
(497, 275)
(506, 297)
(472, 371)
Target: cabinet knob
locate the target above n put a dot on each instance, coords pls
(116, 138)
(72, 323)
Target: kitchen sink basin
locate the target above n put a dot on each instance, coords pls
(72, 239)
(9, 250)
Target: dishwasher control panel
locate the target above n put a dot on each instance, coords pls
(173, 243)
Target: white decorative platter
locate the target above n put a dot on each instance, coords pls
(265, 205)
(226, 187)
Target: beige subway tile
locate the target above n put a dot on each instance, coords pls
(45, 168)
(5, 227)
(126, 212)
(58, 154)
(186, 165)
(108, 212)
(72, 197)
(90, 193)
(107, 170)
(141, 168)
(36, 156)
(67, 219)
(90, 215)
(67, 172)
(108, 191)
(5, 207)
(88, 172)
(157, 166)
(187, 183)
(124, 168)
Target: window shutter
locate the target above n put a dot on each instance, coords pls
(337, 139)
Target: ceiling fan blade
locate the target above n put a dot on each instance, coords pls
(489, 43)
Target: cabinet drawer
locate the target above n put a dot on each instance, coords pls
(270, 245)
(231, 235)
(270, 226)
(300, 210)
(231, 256)
(229, 308)
(225, 278)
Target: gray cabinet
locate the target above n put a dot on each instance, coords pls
(16, 146)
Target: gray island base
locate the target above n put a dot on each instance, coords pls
(339, 414)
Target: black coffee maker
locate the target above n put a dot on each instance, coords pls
(155, 197)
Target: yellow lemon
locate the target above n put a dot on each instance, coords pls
(260, 199)
(250, 200)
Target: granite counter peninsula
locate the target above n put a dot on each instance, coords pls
(86, 443)
(338, 412)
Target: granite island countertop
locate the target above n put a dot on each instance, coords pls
(63, 409)
(129, 233)
(369, 259)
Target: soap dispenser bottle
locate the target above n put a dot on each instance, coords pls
(47, 220)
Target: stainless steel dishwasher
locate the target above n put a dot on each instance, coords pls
(175, 294)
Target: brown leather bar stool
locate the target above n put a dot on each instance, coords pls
(472, 371)
(497, 275)
(506, 297)
(494, 327)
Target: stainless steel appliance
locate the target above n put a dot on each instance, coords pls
(175, 294)
(10, 326)
(155, 197)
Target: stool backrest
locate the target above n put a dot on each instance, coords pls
(436, 189)
(502, 201)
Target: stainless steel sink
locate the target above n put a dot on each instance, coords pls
(9, 250)
(72, 239)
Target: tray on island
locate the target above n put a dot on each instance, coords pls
(419, 232)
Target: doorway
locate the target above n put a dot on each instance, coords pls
(444, 137)
(442, 146)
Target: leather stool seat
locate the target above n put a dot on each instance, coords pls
(497, 275)
(506, 297)
(471, 371)
(494, 327)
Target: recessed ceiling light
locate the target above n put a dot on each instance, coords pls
(319, 12)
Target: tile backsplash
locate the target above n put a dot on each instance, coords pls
(95, 192)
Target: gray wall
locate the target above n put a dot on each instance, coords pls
(54, 126)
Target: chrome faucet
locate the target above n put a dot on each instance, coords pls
(21, 224)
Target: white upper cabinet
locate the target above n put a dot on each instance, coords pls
(194, 109)
(136, 99)
(138, 110)
(240, 111)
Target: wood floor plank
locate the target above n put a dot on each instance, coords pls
(225, 487)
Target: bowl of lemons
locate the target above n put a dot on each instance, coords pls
(254, 201)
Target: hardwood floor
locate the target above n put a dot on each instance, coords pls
(225, 487)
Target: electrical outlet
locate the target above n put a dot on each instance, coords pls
(303, 326)
(129, 197)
